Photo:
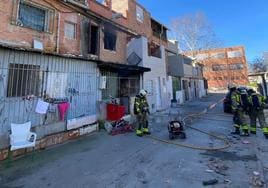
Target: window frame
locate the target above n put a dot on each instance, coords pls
(16, 80)
(219, 67)
(110, 33)
(75, 30)
(139, 14)
(49, 15)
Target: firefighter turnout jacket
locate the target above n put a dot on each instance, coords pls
(141, 105)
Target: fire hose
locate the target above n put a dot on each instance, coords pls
(224, 140)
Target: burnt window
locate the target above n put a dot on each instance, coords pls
(35, 17)
(110, 39)
(23, 80)
(154, 50)
(93, 39)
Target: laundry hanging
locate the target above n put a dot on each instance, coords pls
(63, 108)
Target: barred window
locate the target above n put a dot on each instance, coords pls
(35, 17)
(23, 80)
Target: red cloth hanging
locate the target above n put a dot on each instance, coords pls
(63, 108)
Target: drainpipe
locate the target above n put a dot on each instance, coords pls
(58, 35)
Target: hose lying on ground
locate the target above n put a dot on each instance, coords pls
(224, 140)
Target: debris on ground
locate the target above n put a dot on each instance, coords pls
(121, 127)
(208, 170)
(118, 127)
(227, 181)
(245, 142)
(210, 182)
(256, 181)
(256, 173)
(217, 166)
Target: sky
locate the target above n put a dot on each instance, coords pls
(235, 22)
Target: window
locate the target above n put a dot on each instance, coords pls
(233, 54)
(218, 55)
(110, 39)
(202, 56)
(35, 17)
(154, 50)
(237, 66)
(101, 1)
(139, 13)
(70, 30)
(150, 87)
(80, 1)
(218, 67)
(23, 80)
(94, 39)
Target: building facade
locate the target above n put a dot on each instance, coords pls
(147, 50)
(187, 76)
(62, 52)
(223, 66)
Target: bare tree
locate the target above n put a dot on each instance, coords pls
(194, 32)
(258, 65)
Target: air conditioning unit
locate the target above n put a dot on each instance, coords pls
(103, 82)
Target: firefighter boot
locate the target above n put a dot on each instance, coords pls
(253, 130)
(146, 131)
(265, 132)
(139, 133)
(245, 130)
(236, 131)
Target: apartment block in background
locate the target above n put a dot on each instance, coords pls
(223, 66)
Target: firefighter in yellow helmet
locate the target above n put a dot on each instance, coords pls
(257, 103)
(141, 110)
(239, 109)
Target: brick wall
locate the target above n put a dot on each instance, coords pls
(66, 45)
(50, 140)
(13, 34)
(220, 79)
(118, 56)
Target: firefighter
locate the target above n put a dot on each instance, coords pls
(239, 108)
(141, 110)
(257, 102)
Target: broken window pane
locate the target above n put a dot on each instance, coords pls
(33, 17)
(110, 40)
(154, 50)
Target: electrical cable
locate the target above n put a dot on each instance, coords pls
(224, 140)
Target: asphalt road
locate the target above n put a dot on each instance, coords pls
(100, 160)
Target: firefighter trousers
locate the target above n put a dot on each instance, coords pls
(258, 115)
(240, 121)
(142, 121)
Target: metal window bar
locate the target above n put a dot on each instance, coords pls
(26, 73)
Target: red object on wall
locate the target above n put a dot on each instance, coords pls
(115, 112)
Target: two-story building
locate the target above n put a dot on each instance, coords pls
(70, 52)
(187, 75)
